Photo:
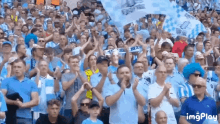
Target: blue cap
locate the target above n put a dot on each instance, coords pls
(6, 42)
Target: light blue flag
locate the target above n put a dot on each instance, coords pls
(184, 24)
(123, 12)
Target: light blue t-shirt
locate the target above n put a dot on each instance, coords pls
(89, 121)
(24, 88)
(126, 107)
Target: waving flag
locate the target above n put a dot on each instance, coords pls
(184, 24)
(123, 12)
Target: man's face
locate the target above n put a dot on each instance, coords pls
(74, 63)
(169, 64)
(56, 36)
(161, 73)
(6, 48)
(40, 52)
(111, 40)
(86, 32)
(83, 39)
(43, 66)
(198, 86)
(124, 72)
(53, 110)
(162, 118)
(207, 46)
(101, 65)
(22, 49)
(199, 47)
(190, 52)
(127, 34)
(18, 69)
(20, 40)
(63, 40)
(79, 4)
(138, 68)
(216, 34)
(199, 39)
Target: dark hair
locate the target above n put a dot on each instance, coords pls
(164, 44)
(120, 67)
(49, 50)
(20, 60)
(118, 40)
(206, 41)
(91, 56)
(53, 101)
(188, 46)
(34, 30)
(148, 39)
(67, 50)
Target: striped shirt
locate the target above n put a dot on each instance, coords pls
(51, 44)
(185, 90)
(46, 93)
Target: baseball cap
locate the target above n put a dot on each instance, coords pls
(100, 59)
(28, 18)
(94, 104)
(6, 42)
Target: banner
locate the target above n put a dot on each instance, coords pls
(123, 12)
(122, 50)
(184, 24)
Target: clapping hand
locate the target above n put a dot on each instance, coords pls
(135, 84)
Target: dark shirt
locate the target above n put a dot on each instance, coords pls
(43, 119)
(79, 118)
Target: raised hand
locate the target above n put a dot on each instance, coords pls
(135, 84)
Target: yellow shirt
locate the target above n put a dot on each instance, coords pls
(89, 73)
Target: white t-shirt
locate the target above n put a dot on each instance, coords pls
(154, 91)
(149, 76)
(163, 40)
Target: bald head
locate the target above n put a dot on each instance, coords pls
(161, 117)
(200, 81)
(199, 86)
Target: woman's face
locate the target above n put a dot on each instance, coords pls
(25, 29)
(92, 61)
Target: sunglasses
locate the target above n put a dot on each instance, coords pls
(41, 41)
(197, 86)
(196, 75)
(1, 33)
(22, 13)
(84, 104)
